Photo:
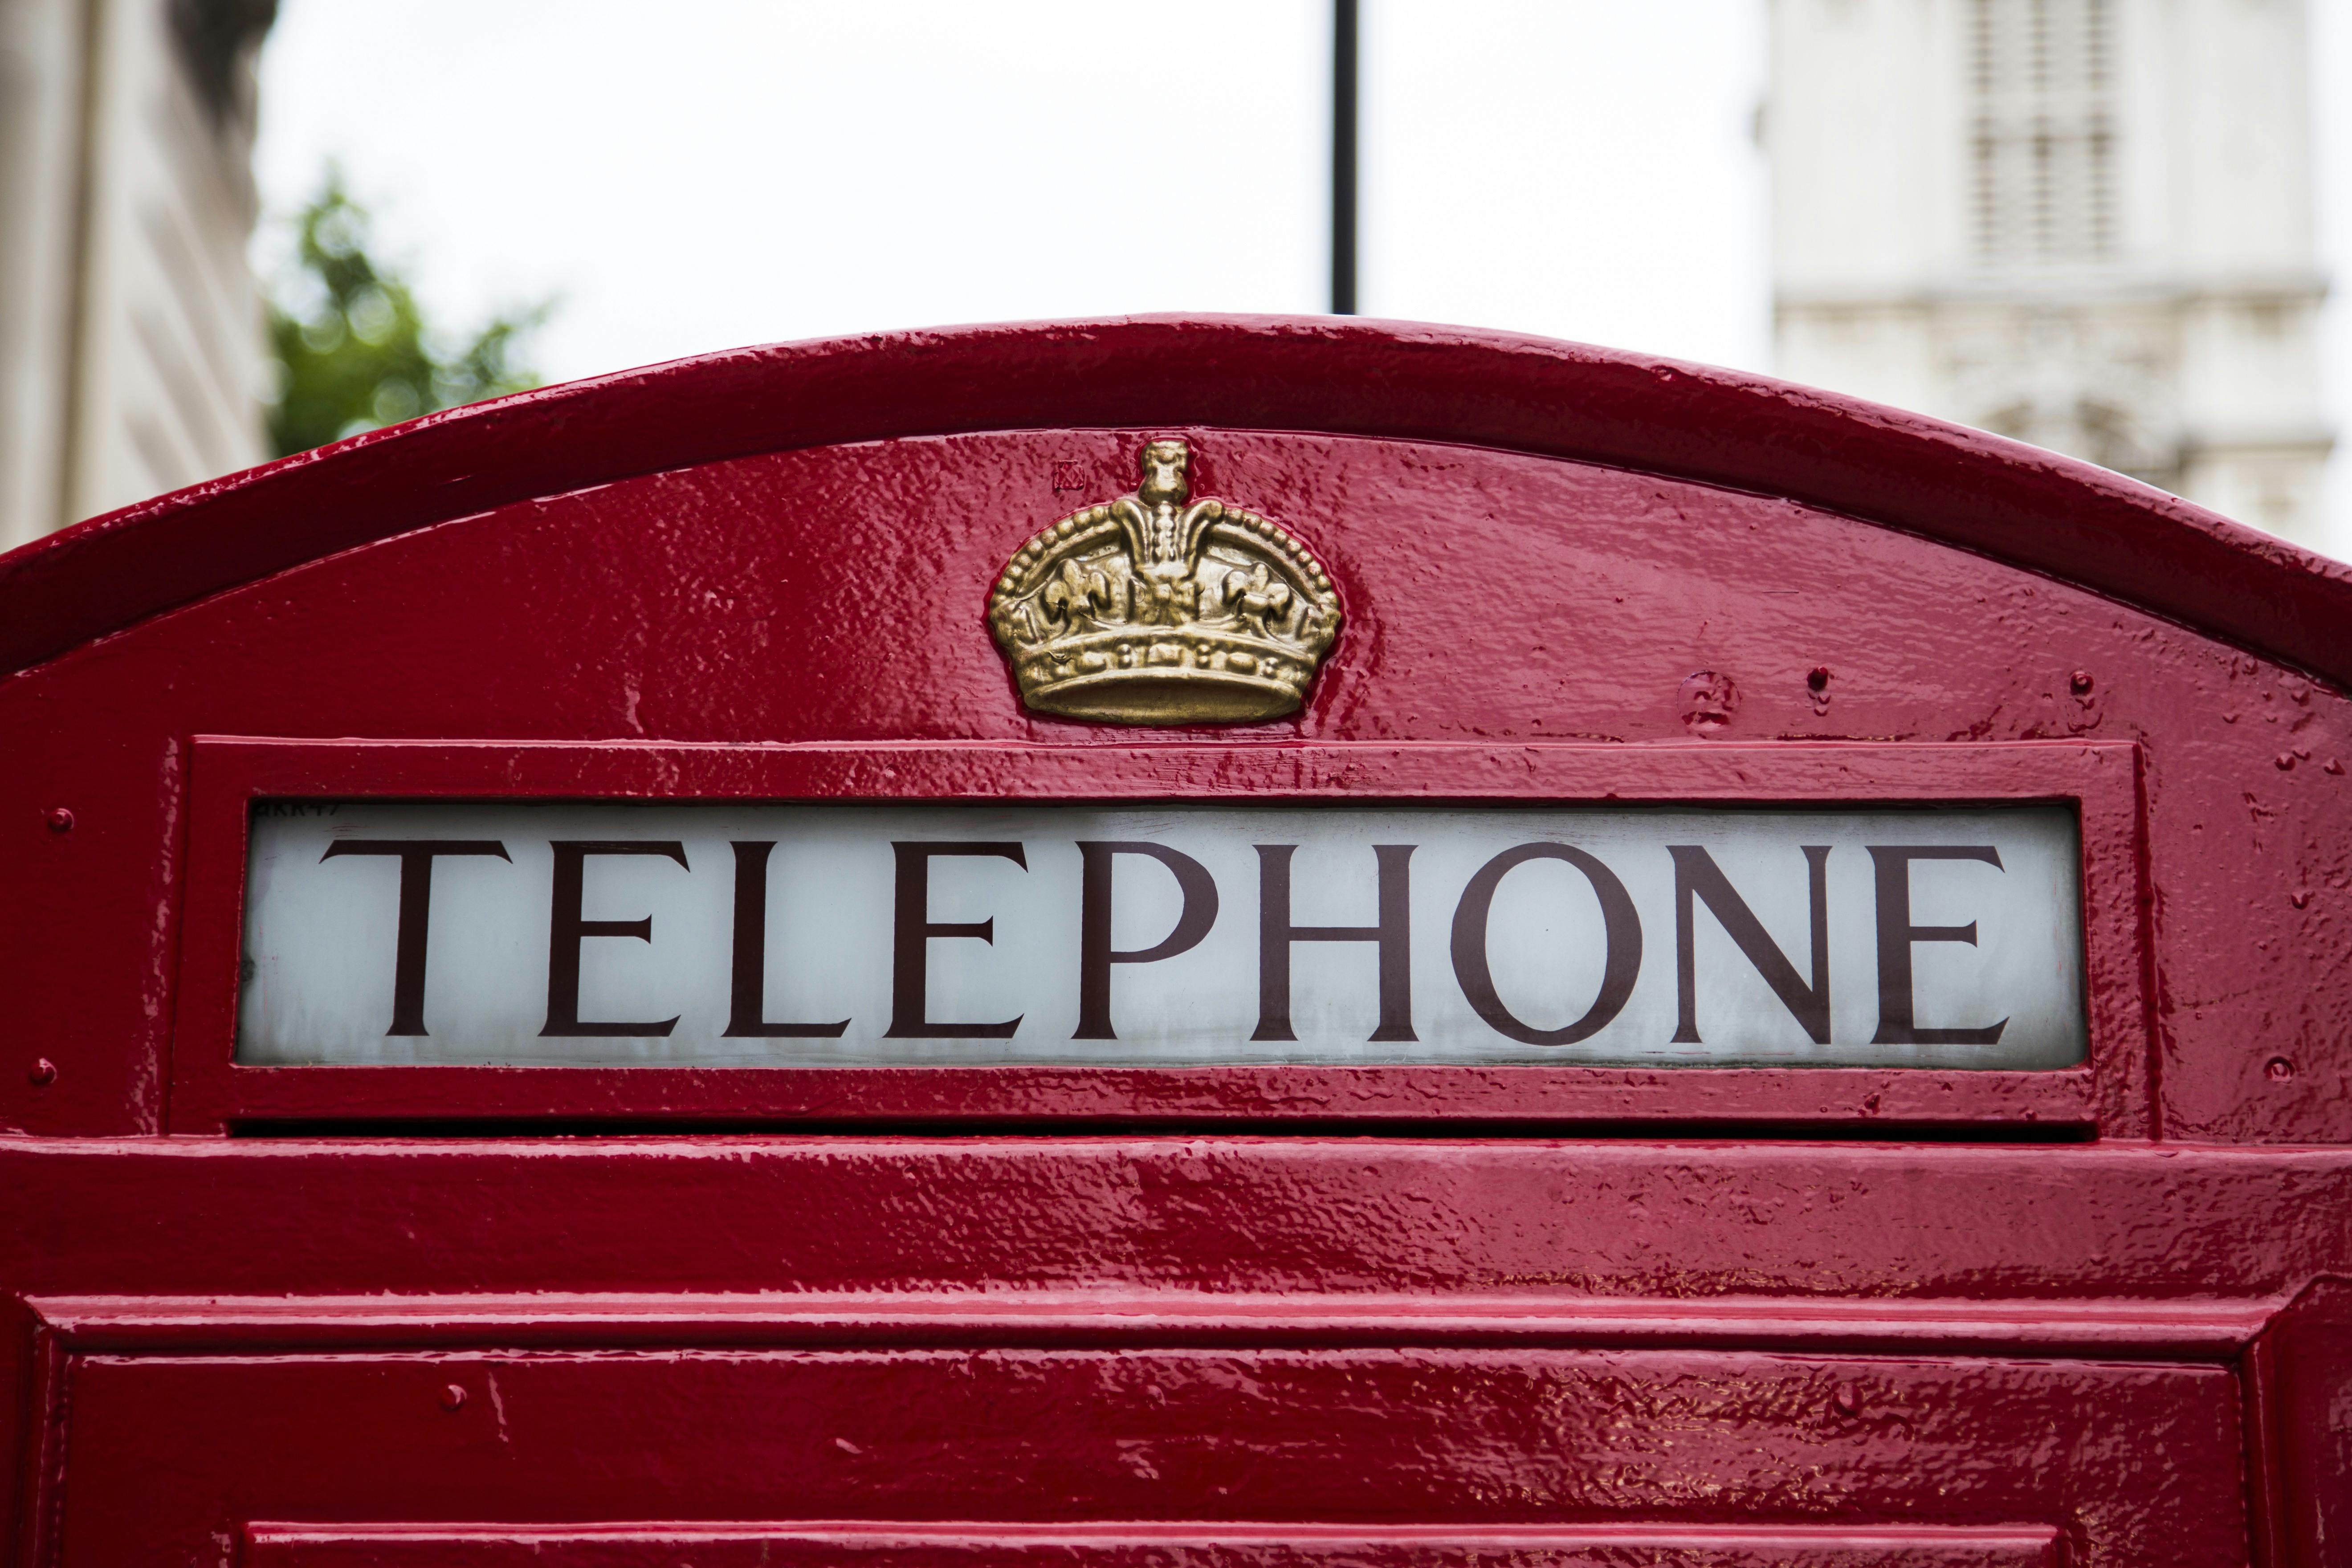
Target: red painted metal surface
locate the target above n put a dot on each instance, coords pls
(1262, 1315)
(679, 608)
(1403, 380)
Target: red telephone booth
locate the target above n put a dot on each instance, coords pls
(1176, 945)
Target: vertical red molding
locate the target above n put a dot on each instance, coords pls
(171, 902)
(42, 1365)
(2298, 1378)
(2151, 975)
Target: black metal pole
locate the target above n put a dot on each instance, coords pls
(1343, 157)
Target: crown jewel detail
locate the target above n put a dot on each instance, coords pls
(1157, 609)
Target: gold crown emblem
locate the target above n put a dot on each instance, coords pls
(1157, 609)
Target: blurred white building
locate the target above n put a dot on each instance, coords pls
(132, 355)
(2086, 224)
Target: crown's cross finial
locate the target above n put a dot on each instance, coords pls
(1154, 608)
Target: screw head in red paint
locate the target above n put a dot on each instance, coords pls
(2278, 1069)
(44, 1073)
(2081, 682)
(453, 1397)
(1817, 690)
(59, 819)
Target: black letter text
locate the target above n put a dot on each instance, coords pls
(566, 930)
(1276, 933)
(912, 930)
(1890, 866)
(748, 993)
(1620, 937)
(415, 912)
(1096, 954)
(1697, 876)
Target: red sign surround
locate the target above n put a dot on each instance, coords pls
(210, 1091)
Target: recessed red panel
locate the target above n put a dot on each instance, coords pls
(1644, 1441)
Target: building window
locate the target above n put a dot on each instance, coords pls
(2042, 144)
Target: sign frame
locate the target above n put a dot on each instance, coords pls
(2111, 1094)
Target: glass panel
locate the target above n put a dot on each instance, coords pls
(685, 935)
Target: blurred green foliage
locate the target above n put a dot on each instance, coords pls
(354, 349)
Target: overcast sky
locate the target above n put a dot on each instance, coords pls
(713, 172)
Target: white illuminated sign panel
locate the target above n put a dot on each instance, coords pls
(844, 935)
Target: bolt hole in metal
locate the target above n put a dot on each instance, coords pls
(1708, 700)
(2278, 1069)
